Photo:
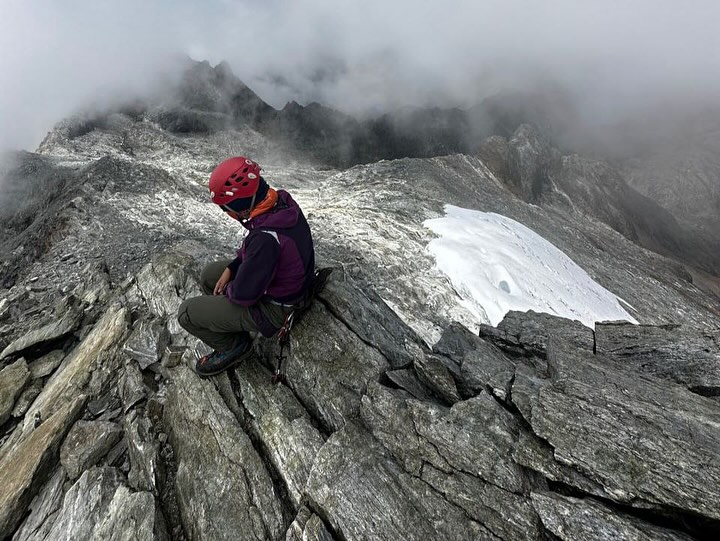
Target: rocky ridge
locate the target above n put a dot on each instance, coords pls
(402, 418)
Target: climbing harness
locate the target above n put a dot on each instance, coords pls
(283, 335)
(284, 341)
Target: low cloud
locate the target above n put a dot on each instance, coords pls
(611, 58)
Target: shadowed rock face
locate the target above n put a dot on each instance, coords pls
(537, 172)
(396, 420)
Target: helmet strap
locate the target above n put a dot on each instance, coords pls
(252, 206)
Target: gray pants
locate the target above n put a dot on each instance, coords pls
(216, 321)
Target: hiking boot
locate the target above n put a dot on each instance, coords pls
(219, 361)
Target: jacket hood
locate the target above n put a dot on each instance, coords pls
(284, 214)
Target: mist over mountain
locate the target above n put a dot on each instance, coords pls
(534, 161)
(489, 181)
(455, 379)
(363, 59)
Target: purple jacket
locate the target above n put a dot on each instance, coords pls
(276, 261)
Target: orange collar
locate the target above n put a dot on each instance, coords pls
(266, 204)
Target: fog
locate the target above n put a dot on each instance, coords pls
(611, 58)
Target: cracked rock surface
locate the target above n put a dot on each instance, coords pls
(401, 416)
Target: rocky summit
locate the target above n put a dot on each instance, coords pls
(402, 416)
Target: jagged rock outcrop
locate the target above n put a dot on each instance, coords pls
(401, 416)
(536, 171)
(527, 410)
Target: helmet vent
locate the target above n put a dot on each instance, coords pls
(228, 183)
(233, 175)
(245, 170)
(244, 183)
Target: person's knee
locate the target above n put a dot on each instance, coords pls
(206, 276)
(183, 315)
(210, 275)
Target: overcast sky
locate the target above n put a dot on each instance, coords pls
(359, 56)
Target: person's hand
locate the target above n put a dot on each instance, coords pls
(222, 282)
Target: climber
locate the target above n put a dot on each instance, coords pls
(272, 273)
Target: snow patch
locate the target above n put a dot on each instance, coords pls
(496, 264)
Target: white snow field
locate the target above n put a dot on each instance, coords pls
(496, 264)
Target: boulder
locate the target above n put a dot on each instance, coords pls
(86, 443)
(481, 365)
(132, 388)
(47, 364)
(463, 453)
(435, 375)
(527, 333)
(13, 379)
(99, 506)
(26, 398)
(83, 364)
(147, 342)
(67, 321)
(407, 379)
(24, 466)
(164, 283)
(373, 321)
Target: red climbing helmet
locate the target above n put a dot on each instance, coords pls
(235, 178)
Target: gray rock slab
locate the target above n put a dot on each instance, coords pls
(481, 364)
(132, 388)
(528, 332)
(83, 366)
(283, 425)
(165, 283)
(307, 526)
(86, 443)
(13, 379)
(685, 355)
(99, 506)
(526, 388)
(435, 375)
(330, 367)
(641, 438)
(507, 515)
(95, 287)
(463, 453)
(47, 364)
(67, 322)
(147, 342)
(537, 455)
(371, 319)
(364, 494)
(23, 467)
(476, 436)
(132, 516)
(223, 489)
(573, 518)
(26, 398)
(146, 469)
(43, 510)
(407, 379)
